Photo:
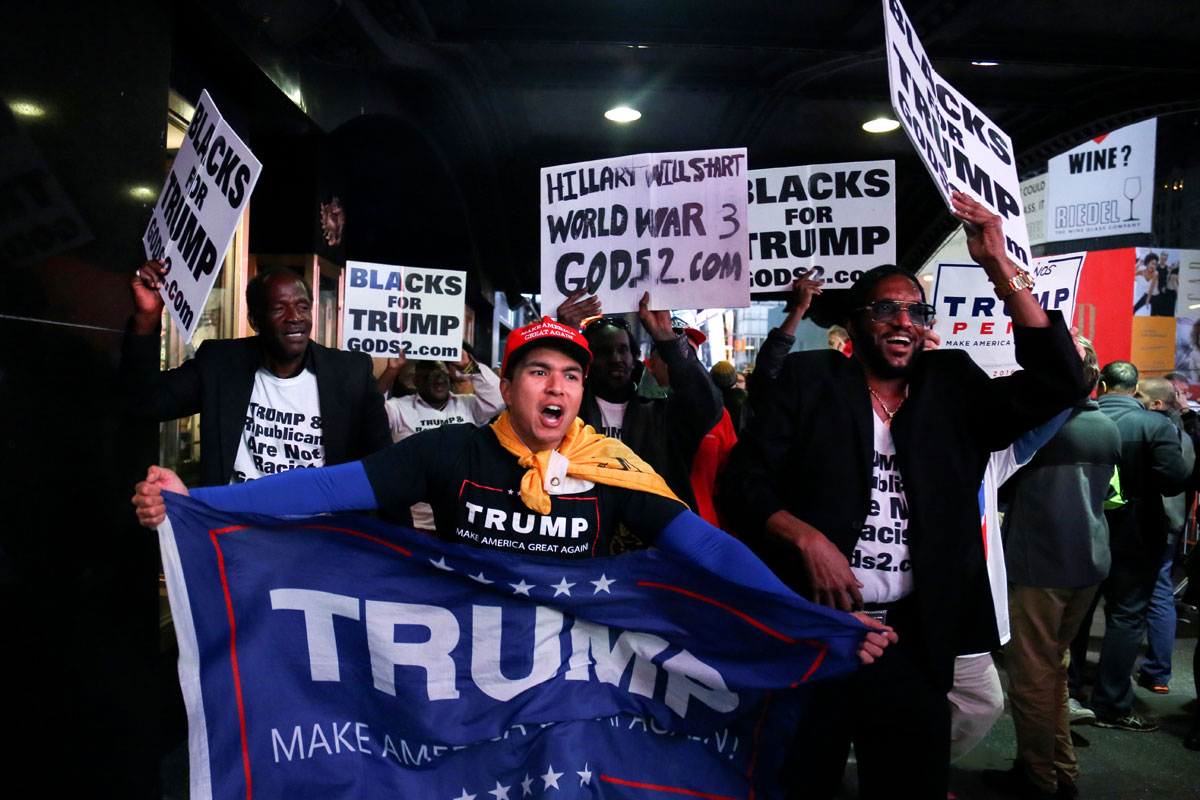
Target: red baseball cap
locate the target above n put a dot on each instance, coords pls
(546, 333)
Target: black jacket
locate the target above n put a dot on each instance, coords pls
(810, 452)
(666, 428)
(1152, 465)
(217, 384)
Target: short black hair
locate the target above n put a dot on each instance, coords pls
(256, 290)
(860, 293)
(1120, 376)
(1149, 257)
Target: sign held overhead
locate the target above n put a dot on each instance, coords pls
(962, 148)
(671, 224)
(197, 212)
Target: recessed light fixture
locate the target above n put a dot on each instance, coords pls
(142, 192)
(623, 114)
(880, 125)
(985, 63)
(23, 109)
(927, 278)
(1193, 306)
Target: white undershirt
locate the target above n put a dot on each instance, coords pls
(612, 416)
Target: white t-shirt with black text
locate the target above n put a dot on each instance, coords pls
(612, 418)
(282, 429)
(880, 559)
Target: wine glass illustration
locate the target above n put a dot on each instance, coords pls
(1133, 187)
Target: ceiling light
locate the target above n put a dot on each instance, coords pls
(622, 114)
(1193, 306)
(880, 125)
(926, 278)
(142, 192)
(27, 109)
(985, 63)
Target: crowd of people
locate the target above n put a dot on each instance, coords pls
(864, 477)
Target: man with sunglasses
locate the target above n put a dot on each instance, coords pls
(664, 428)
(858, 485)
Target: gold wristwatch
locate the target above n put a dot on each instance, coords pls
(1022, 280)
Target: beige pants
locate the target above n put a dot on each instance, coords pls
(1036, 658)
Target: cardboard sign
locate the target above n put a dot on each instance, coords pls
(970, 317)
(962, 149)
(838, 220)
(1104, 187)
(672, 224)
(412, 310)
(198, 212)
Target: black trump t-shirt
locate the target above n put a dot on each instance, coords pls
(474, 487)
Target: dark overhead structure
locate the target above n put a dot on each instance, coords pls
(477, 96)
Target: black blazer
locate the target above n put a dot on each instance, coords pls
(810, 452)
(218, 382)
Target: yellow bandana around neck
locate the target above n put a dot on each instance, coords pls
(593, 458)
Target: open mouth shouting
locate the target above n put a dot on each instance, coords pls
(552, 415)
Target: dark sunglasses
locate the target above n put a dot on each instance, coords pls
(616, 322)
(887, 310)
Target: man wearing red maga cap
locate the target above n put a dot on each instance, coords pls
(536, 481)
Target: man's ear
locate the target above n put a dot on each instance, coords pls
(505, 388)
(1101, 388)
(253, 322)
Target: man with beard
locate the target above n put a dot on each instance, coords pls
(858, 485)
(268, 403)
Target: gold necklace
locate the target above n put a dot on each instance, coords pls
(890, 414)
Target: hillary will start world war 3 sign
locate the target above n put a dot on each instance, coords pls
(339, 657)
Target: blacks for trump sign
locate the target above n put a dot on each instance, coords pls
(197, 213)
(962, 148)
(838, 220)
(425, 669)
(672, 224)
(416, 311)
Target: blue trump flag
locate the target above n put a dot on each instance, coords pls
(339, 656)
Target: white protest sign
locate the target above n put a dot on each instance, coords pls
(1033, 202)
(673, 224)
(1103, 187)
(837, 219)
(197, 213)
(970, 317)
(962, 149)
(412, 310)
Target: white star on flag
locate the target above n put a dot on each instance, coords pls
(480, 578)
(441, 564)
(522, 587)
(551, 777)
(562, 587)
(511, 491)
(585, 775)
(465, 796)
(500, 792)
(602, 584)
(525, 784)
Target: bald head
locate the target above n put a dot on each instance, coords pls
(1156, 394)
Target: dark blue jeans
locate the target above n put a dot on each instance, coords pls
(1126, 592)
(1160, 618)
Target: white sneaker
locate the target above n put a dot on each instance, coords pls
(1077, 714)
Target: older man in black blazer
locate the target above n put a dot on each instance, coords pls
(239, 434)
(859, 484)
